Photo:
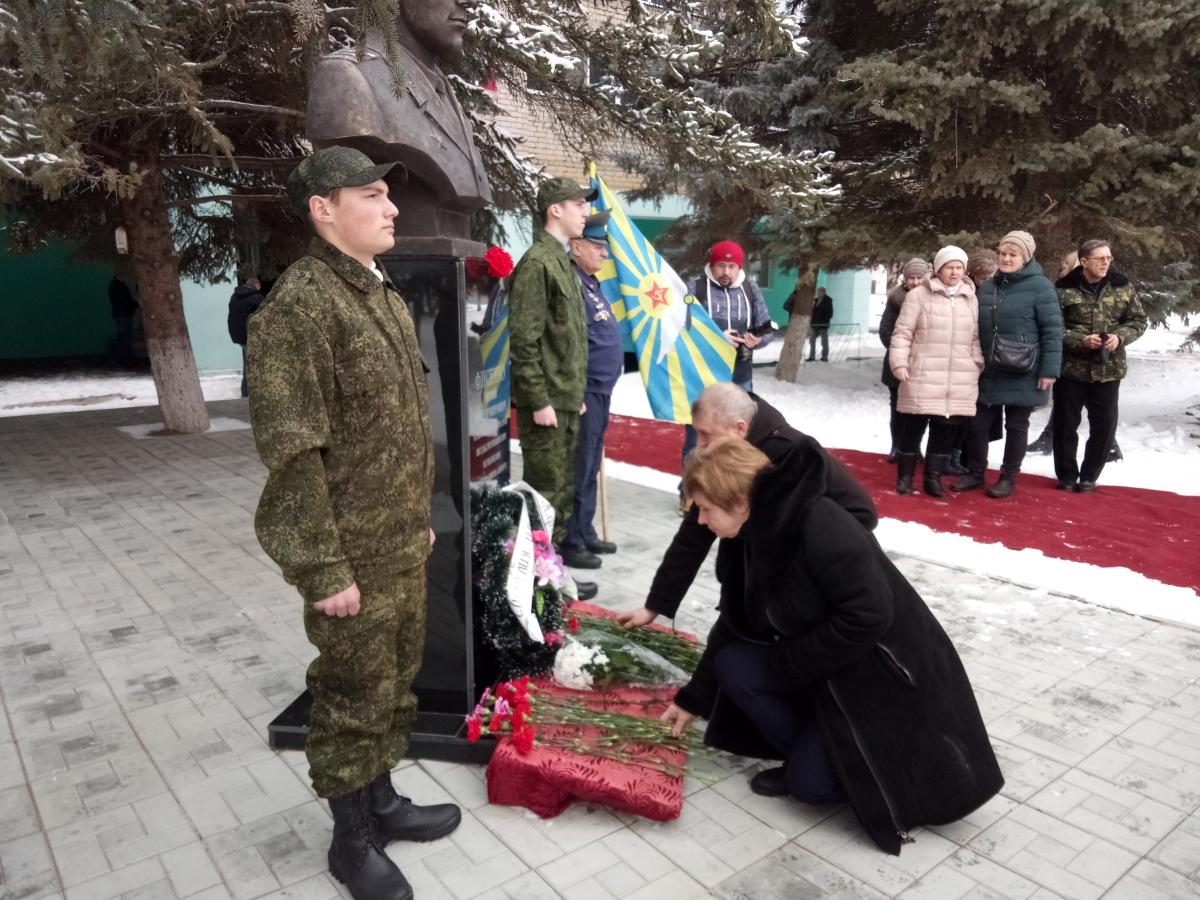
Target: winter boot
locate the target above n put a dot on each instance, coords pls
(1114, 453)
(892, 455)
(971, 481)
(935, 467)
(399, 819)
(356, 856)
(955, 466)
(906, 467)
(1044, 443)
(1005, 485)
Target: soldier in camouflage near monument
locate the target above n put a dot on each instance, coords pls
(339, 406)
(1101, 314)
(549, 351)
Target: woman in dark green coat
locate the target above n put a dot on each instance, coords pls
(1018, 305)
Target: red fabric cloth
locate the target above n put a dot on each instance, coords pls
(547, 780)
(1156, 533)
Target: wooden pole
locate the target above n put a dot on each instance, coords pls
(603, 501)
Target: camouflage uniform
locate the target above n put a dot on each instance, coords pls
(1088, 380)
(340, 410)
(549, 368)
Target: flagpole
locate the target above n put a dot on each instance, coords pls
(603, 500)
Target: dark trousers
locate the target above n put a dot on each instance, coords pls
(894, 418)
(592, 426)
(123, 342)
(245, 383)
(815, 332)
(784, 715)
(1070, 399)
(941, 433)
(1016, 435)
(548, 462)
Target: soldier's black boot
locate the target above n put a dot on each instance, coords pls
(1006, 484)
(356, 856)
(935, 467)
(906, 468)
(399, 819)
(971, 481)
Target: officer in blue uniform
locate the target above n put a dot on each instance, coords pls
(606, 361)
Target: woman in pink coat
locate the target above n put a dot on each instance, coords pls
(935, 354)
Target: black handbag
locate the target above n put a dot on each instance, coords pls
(1006, 354)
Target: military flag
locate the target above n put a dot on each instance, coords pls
(680, 350)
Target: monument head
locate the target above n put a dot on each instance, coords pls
(436, 27)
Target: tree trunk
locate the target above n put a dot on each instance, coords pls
(171, 360)
(792, 354)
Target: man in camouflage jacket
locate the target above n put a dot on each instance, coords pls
(1101, 314)
(549, 351)
(340, 411)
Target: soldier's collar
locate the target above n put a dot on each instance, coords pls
(348, 268)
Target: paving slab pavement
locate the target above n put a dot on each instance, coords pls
(146, 641)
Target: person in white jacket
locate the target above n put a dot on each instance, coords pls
(935, 355)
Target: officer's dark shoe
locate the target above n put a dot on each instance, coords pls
(1085, 487)
(602, 546)
(906, 467)
(770, 782)
(1005, 486)
(969, 482)
(581, 559)
(356, 856)
(399, 819)
(935, 466)
(1066, 485)
(955, 466)
(586, 590)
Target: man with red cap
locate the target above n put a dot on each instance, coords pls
(736, 305)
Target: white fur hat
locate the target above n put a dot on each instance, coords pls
(949, 253)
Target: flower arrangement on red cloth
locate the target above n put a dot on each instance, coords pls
(532, 714)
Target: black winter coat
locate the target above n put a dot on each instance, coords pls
(242, 304)
(771, 434)
(895, 706)
(887, 324)
(1021, 306)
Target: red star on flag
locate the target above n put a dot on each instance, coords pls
(659, 295)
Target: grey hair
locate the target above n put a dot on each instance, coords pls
(1086, 248)
(724, 403)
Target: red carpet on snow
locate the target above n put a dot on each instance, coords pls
(1153, 532)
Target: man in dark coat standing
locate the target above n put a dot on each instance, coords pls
(822, 315)
(726, 411)
(247, 297)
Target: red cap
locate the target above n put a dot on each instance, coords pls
(725, 251)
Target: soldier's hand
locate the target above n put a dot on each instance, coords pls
(545, 417)
(1091, 342)
(1112, 343)
(343, 603)
(636, 618)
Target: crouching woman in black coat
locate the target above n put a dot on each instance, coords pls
(827, 658)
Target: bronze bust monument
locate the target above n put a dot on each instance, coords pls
(352, 102)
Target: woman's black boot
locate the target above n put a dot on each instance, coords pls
(955, 466)
(935, 467)
(356, 856)
(1006, 484)
(973, 480)
(906, 468)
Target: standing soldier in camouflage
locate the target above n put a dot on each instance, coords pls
(1101, 314)
(549, 351)
(339, 406)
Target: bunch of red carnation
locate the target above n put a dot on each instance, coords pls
(505, 711)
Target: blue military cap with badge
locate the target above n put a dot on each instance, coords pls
(596, 227)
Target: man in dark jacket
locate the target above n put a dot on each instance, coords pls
(726, 411)
(124, 307)
(549, 348)
(822, 315)
(1101, 314)
(247, 297)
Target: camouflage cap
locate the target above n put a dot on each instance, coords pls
(330, 168)
(558, 190)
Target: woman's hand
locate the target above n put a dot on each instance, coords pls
(677, 718)
(1044, 384)
(901, 374)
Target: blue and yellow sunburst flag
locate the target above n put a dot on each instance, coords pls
(680, 350)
